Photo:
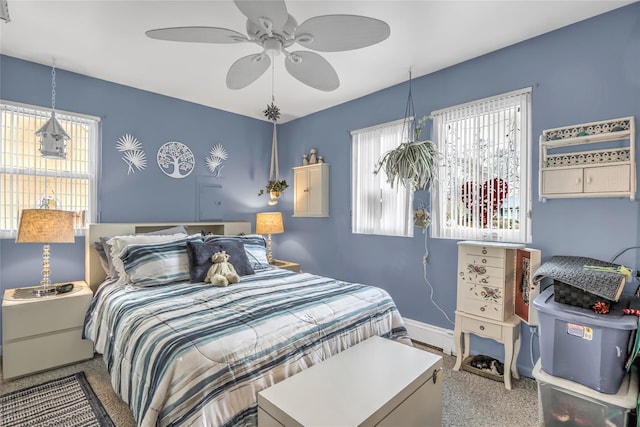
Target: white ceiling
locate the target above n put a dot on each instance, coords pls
(106, 39)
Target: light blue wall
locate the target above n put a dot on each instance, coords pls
(586, 72)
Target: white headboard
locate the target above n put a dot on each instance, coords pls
(94, 273)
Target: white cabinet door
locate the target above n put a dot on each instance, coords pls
(606, 179)
(311, 190)
(562, 181)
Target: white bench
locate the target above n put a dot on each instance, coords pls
(378, 382)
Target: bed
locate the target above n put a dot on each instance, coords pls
(183, 352)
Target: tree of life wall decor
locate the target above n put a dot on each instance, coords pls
(175, 159)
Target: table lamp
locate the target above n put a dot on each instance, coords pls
(45, 226)
(269, 223)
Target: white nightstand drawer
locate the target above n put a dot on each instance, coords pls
(24, 318)
(486, 329)
(23, 357)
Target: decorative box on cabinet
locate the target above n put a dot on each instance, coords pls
(43, 333)
(487, 294)
(606, 170)
(311, 190)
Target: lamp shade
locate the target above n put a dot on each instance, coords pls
(45, 226)
(269, 223)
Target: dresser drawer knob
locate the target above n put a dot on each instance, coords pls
(484, 260)
(482, 308)
(482, 327)
(484, 252)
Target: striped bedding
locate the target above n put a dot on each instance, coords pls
(193, 354)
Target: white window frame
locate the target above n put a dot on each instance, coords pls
(10, 208)
(474, 140)
(376, 207)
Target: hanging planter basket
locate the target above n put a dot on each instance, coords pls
(274, 188)
(411, 164)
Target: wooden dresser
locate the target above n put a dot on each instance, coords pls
(486, 294)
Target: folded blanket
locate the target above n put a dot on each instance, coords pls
(570, 270)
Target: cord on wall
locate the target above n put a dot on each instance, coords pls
(424, 270)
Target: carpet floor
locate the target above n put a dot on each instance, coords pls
(468, 399)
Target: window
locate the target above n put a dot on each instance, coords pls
(28, 180)
(483, 191)
(376, 208)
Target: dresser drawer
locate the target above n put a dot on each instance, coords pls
(479, 327)
(483, 260)
(483, 251)
(480, 275)
(490, 310)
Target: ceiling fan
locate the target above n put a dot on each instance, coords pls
(270, 26)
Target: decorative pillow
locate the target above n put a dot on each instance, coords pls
(104, 250)
(119, 243)
(255, 245)
(157, 263)
(200, 258)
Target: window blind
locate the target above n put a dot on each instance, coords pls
(376, 207)
(483, 191)
(28, 180)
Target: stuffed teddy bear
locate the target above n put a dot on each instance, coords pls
(222, 272)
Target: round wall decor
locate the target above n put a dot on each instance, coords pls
(175, 159)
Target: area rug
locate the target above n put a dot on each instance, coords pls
(68, 402)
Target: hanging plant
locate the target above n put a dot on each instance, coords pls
(275, 186)
(412, 163)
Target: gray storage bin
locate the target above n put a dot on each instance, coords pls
(583, 346)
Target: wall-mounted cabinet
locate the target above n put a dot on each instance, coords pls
(311, 190)
(589, 160)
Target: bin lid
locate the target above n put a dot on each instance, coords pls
(544, 303)
(626, 397)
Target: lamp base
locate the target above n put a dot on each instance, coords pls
(44, 291)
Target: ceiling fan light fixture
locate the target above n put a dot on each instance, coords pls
(272, 47)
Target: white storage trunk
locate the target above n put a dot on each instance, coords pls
(566, 403)
(378, 382)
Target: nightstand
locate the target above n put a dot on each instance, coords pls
(40, 333)
(286, 265)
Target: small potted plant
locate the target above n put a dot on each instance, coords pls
(274, 188)
(412, 163)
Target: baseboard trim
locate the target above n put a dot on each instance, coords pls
(431, 335)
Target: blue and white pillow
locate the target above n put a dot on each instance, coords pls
(255, 245)
(157, 263)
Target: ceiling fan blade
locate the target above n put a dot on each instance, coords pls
(197, 35)
(312, 70)
(246, 70)
(335, 33)
(265, 13)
